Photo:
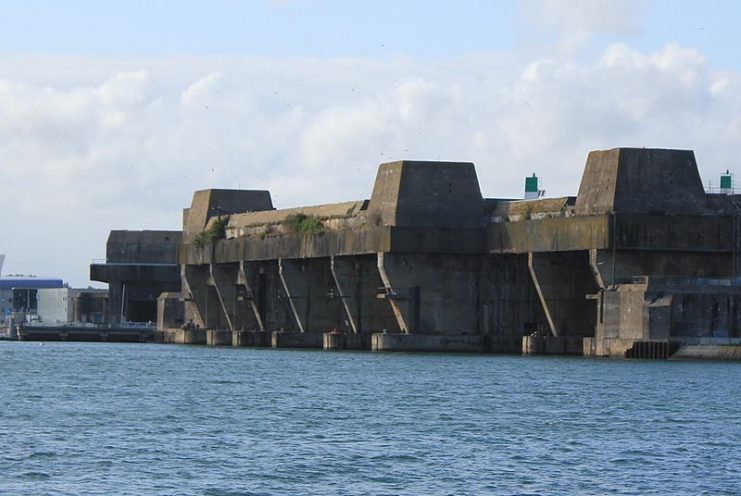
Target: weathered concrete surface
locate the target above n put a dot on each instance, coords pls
(256, 339)
(434, 294)
(218, 337)
(639, 180)
(342, 341)
(564, 281)
(170, 310)
(708, 352)
(552, 345)
(366, 240)
(309, 288)
(183, 336)
(240, 224)
(142, 247)
(223, 277)
(199, 307)
(297, 340)
(81, 333)
(427, 257)
(429, 343)
(547, 235)
(210, 203)
(249, 302)
(673, 233)
(139, 266)
(606, 347)
(504, 344)
(426, 194)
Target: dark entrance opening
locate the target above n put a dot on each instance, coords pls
(141, 311)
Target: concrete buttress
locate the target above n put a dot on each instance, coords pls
(251, 319)
(346, 278)
(201, 302)
(224, 278)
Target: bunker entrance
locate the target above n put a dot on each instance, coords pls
(141, 311)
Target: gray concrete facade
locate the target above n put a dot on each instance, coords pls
(641, 254)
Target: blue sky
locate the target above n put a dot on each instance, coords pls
(113, 113)
(336, 28)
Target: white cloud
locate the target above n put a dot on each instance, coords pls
(124, 145)
(198, 91)
(576, 22)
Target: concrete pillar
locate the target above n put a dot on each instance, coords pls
(115, 292)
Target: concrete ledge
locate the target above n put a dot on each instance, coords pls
(341, 341)
(693, 341)
(552, 345)
(708, 352)
(429, 342)
(607, 347)
(281, 339)
(218, 337)
(505, 344)
(181, 336)
(256, 339)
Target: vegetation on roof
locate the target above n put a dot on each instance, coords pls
(301, 223)
(217, 230)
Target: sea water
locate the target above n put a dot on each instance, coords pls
(97, 418)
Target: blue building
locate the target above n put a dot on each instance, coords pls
(20, 293)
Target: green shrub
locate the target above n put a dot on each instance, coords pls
(267, 231)
(217, 230)
(301, 223)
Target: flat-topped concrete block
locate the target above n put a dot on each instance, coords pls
(426, 194)
(641, 180)
(209, 203)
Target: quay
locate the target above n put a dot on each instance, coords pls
(641, 263)
(116, 334)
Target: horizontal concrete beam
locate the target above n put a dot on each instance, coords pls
(135, 272)
(698, 233)
(546, 235)
(338, 243)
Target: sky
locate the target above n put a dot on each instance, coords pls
(113, 113)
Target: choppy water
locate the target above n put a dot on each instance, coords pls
(157, 419)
